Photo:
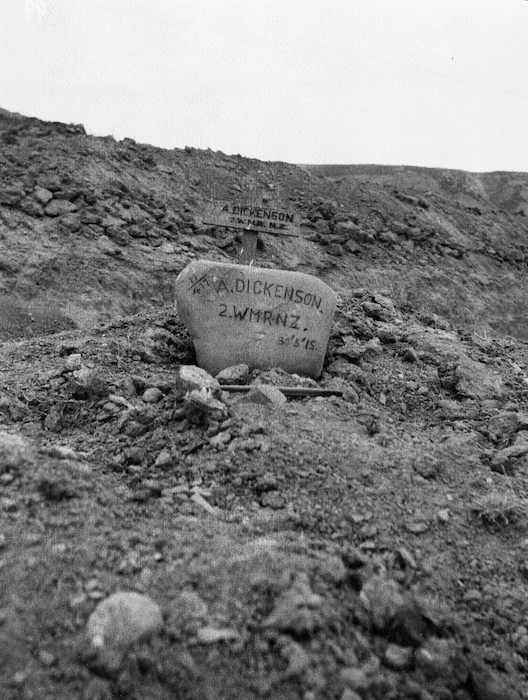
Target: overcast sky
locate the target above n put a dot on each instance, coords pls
(411, 82)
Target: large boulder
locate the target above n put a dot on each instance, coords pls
(264, 318)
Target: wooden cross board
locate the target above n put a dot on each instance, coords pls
(251, 219)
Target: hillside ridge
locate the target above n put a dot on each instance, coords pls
(360, 535)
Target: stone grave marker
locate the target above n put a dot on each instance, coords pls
(264, 318)
(238, 313)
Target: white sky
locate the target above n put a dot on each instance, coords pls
(418, 82)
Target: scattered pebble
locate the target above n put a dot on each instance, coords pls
(152, 395)
(15, 451)
(355, 678)
(266, 395)
(349, 694)
(417, 528)
(398, 657)
(46, 658)
(73, 362)
(212, 635)
(297, 609)
(238, 374)
(118, 622)
(164, 459)
(191, 378)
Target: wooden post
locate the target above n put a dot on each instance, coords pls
(248, 251)
(229, 215)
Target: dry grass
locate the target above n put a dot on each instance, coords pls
(500, 509)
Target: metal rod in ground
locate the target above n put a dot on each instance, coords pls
(286, 390)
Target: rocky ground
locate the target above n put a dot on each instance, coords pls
(370, 544)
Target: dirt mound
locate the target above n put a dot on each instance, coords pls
(366, 544)
(100, 228)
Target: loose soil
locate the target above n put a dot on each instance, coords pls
(370, 545)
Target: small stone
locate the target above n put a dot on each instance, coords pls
(152, 395)
(348, 229)
(476, 381)
(377, 311)
(29, 206)
(314, 679)
(9, 505)
(407, 558)
(15, 452)
(71, 222)
(388, 333)
(473, 597)
(220, 440)
(334, 249)
(201, 406)
(504, 460)
(272, 499)
(488, 685)
(42, 195)
(50, 182)
(20, 677)
(56, 207)
(266, 396)
(348, 392)
(349, 694)
(503, 425)
(297, 609)
(73, 362)
(352, 247)
(437, 657)
(46, 658)
(211, 635)
(11, 195)
(62, 452)
(417, 528)
(190, 377)
(135, 429)
(188, 612)
(443, 515)
(238, 374)
(118, 622)
(90, 383)
(351, 349)
(372, 348)
(410, 355)
(164, 460)
(381, 600)
(355, 678)
(59, 549)
(33, 538)
(368, 531)
(3, 542)
(522, 645)
(398, 657)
